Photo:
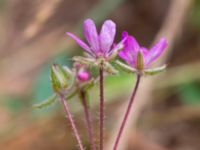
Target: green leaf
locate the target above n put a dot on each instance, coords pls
(49, 101)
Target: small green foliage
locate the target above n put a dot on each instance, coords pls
(89, 85)
(59, 78)
(84, 60)
(154, 71)
(67, 71)
(49, 101)
(94, 70)
(124, 67)
(71, 94)
(109, 68)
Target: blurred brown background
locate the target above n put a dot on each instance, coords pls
(33, 37)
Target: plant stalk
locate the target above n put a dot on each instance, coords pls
(69, 116)
(88, 120)
(127, 112)
(101, 108)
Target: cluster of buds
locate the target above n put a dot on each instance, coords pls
(68, 82)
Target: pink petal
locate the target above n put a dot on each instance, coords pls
(125, 57)
(107, 35)
(117, 47)
(144, 50)
(79, 41)
(156, 50)
(130, 50)
(124, 35)
(132, 47)
(91, 35)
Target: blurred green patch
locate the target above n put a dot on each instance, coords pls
(195, 14)
(190, 92)
(2, 4)
(13, 103)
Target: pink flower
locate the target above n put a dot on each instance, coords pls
(132, 49)
(98, 44)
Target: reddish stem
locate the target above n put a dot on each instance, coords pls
(88, 120)
(69, 115)
(101, 108)
(127, 112)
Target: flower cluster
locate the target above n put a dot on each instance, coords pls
(101, 49)
(140, 57)
(99, 45)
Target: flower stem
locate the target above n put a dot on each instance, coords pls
(88, 120)
(69, 115)
(101, 108)
(127, 112)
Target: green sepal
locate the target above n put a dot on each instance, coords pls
(93, 70)
(67, 71)
(88, 85)
(115, 51)
(140, 61)
(109, 68)
(49, 101)
(84, 60)
(155, 70)
(125, 67)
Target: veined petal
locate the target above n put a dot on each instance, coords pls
(132, 48)
(117, 47)
(91, 35)
(125, 57)
(130, 51)
(107, 35)
(79, 41)
(156, 50)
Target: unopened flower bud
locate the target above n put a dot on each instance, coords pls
(140, 61)
(59, 78)
(83, 75)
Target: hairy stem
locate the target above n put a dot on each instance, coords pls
(69, 116)
(88, 120)
(127, 113)
(101, 108)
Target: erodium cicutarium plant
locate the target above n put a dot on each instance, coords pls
(138, 58)
(99, 51)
